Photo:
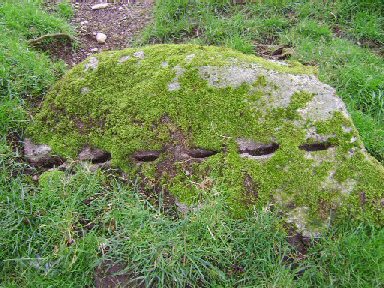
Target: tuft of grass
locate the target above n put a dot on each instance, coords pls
(64, 9)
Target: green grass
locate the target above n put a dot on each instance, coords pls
(336, 36)
(349, 256)
(25, 72)
(44, 240)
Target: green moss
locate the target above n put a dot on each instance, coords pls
(124, 107)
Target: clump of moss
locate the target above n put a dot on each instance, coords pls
(139, 99)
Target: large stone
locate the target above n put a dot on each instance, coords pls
(205, 122)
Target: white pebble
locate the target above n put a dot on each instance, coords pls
(101, 37)
(100, 6)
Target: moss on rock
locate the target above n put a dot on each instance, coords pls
(178, 98)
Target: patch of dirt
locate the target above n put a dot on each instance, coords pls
(301, 245)
(112, 275)
(120, 22)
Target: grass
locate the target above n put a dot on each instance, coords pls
(25, 72)
(45, 237)
(46, 240)
(345, 39)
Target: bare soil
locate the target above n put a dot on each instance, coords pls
(110, 275)
(120, 22)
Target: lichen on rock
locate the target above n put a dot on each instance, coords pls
(173, 102)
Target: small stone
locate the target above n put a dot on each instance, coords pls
(94, 50)
(39, 155)
(82, 23)
(139, 54)
(101, 37)
(100, 6)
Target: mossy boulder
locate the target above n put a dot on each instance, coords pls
(204, 122)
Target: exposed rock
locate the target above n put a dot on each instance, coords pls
(39, 155)
(124, 58)
(92, 64)
(139, 54)
(85, 90)
(101, 37)
(174, 86)
(299, 217)
(279, 94)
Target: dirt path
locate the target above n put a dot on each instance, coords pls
(119, 22)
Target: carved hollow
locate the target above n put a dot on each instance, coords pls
(319, 146)
(146, 156)
(95, 155)
(258, 149)
(201, 153)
